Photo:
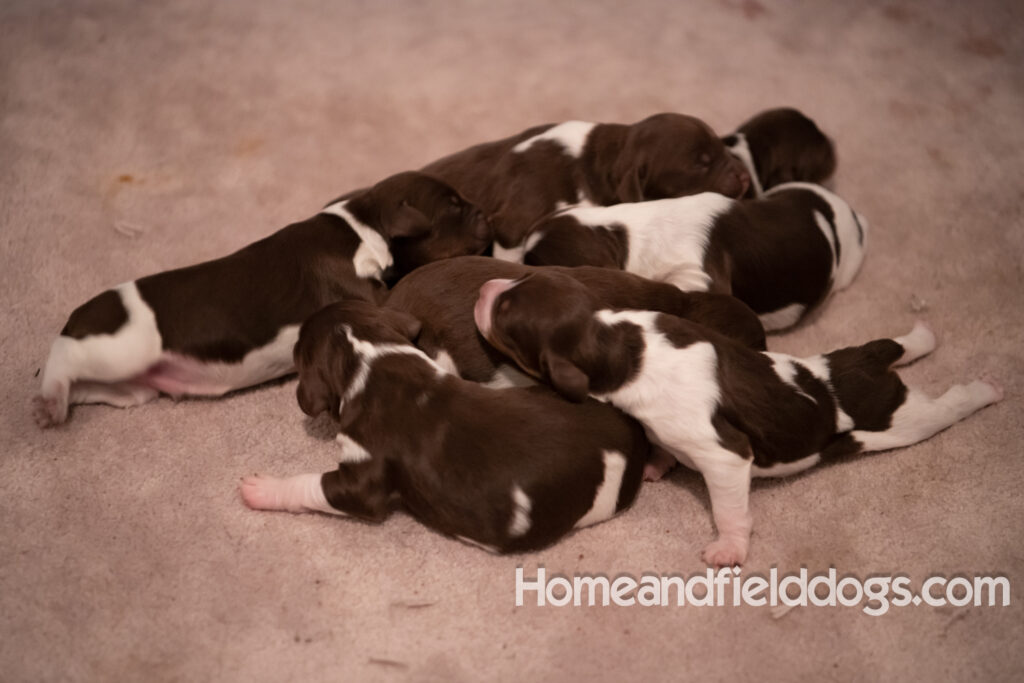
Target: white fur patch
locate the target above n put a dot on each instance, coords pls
(368, 352)
(445, 361)
(506, 376)
(851, 247)
(786, 316)
(667, 238)
(742, 151)
(921, 417)
(785, 368)
(784, 469)
(571, 135)
(919, 342)
(351, 451)
(606, 499)
(510, 254)
(521, 506)
(301, 493)
(372, 257)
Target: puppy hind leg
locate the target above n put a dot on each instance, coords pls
(920, 417)
(917, 343)
(118, 394)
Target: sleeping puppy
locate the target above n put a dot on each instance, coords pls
(520, 179)
(442, 296)
(781, 255)
(230, 323)
(782, 146)
(723, 409)
(509, 469)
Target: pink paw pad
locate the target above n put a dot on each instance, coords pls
(45, 412)
(995, 386)
(260, 492)
(724, 553)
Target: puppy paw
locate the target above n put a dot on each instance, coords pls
(658, 465)
(260, 492)
(725, 552)
(47, 412)
(987, 389)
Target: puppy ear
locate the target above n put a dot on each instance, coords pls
(630, 187)
(406, 221)
(316, 397)
(568, 380)
(406, 323)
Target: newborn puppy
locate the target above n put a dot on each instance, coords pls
(781, 146)
(510, 469)
(230, 323)
(522, 178)
(781, 255)
(723, 409)
(442, 296)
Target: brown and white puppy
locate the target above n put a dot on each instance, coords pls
(723, 409)
(522, 178)
(782, 254)
(230, 323)
(509, 469)
(782, 146)
(442, 296)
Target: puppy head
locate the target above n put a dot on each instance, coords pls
(672, 155)
(787, 146)
(426, 220)
(545, 321)
(331, 351)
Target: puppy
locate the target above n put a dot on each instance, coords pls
(782, 146)
(520, 179)
(230, 323)
(723, 409)
(781, 255)
(442, 296)
(511, 470)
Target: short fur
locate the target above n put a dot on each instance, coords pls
(524, 177)
(221, 325)
(782, 254)
(782, 146)
(443, 296)
(726, 410)
(511, 470)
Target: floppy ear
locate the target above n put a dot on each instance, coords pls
(568, 380)
(630, 187)
(406, 221)
(316, 397)
(407, 324)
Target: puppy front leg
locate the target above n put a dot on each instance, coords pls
(356, 489)
(728, 479)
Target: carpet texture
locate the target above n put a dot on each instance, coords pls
(137, 137)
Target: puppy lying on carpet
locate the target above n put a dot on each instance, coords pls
(230, 323)
(509, 469)
(782, 146)
(723, 409)
(442, 296)
(781, 254)
(522, 178)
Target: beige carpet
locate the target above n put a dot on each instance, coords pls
(140, 136)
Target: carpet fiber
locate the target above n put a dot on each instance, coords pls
(137, 137)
